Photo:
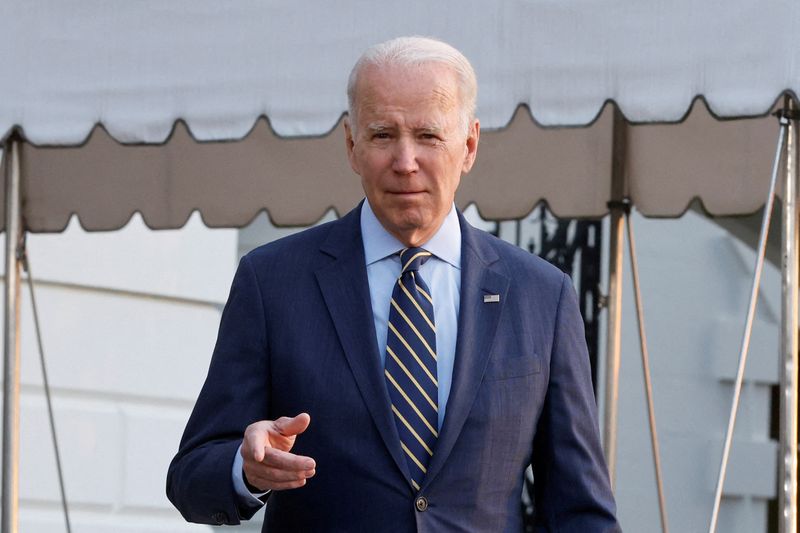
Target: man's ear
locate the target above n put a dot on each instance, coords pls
(473, 136)
(350, 144)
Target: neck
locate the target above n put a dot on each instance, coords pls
(416, 237)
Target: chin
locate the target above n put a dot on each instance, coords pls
(411, 220)
(406, 220)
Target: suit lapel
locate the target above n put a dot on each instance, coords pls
(345, 288)
(477, 327)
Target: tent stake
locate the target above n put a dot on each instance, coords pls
(11, 344)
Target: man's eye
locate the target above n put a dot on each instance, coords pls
(430, 137)
(381, 135)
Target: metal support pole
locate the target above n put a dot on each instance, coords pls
(748, 325)
(11, 344)
(648, 383)
(787, 482)
(613, 343)
(618, 207)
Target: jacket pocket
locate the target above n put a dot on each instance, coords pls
(513, 367)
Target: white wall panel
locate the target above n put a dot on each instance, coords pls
(695, 281)
(151, 437)
(50, 520)
(111, 344)
(90, 439)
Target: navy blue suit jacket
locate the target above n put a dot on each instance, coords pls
(297, 335)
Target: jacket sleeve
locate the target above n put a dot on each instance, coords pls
(572, 491)
(235, 394)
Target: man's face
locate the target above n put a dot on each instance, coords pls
(410, 147)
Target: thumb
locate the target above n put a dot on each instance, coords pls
(289, 427)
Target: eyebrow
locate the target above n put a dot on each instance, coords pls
(433, 127)
(378, 126)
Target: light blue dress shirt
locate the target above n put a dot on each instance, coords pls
(442, 274)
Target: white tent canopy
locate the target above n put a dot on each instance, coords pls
(111, 98)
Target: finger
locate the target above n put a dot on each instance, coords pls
(286, 485)
(264, 478)
(263, 474)
(281, 460)
(293, 426)
(255, 437)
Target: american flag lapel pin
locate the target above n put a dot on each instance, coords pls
(491, 298)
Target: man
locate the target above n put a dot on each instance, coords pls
(398, 370)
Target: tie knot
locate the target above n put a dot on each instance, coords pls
(412, 258)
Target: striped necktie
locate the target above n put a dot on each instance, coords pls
(410, 369)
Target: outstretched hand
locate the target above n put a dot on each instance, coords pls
(267, 461)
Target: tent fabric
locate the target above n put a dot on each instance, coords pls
(725, 164)
(230, 108)
(138, 67)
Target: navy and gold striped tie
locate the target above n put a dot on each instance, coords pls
(410, 367)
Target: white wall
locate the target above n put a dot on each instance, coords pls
(129, 320)
(696, 280)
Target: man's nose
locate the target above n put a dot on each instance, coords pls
(405, 157)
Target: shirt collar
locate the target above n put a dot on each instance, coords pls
(379, 243)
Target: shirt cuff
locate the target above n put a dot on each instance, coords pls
(247, 497)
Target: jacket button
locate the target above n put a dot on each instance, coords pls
(219, 518)
(421, 504)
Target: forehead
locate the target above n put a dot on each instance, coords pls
(429, 87)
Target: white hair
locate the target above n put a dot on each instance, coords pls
(417, 51)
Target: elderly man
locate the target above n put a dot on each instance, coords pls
(398, 370)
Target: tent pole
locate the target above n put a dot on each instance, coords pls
(618, 207)
(648, 383)
(787, 483)
(748, 324)
(11, 344)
